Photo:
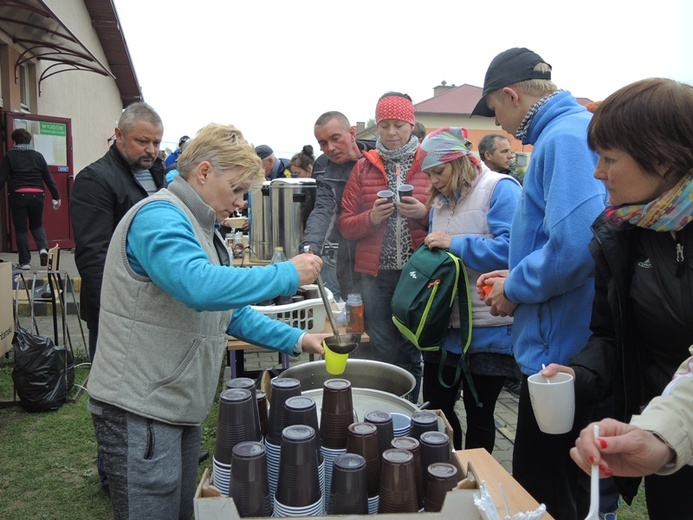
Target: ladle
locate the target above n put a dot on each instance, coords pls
(328, 308)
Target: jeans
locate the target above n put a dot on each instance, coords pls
(151, 466)
(28, 206)
(386, 342)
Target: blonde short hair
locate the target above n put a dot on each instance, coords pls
(225, 148)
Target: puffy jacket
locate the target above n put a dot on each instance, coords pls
(367, 178)
(103, 192)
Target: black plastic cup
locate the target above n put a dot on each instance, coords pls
(414, 447)
(397, 483)
(298, 468)
(386, 432)
(404, 190)
(235, 423)
(337, 413)
(423, 421)
(362, 439)
(441, 478)
(282, 389)
(302, 410)
(386, 194)
(249, 482)
(248, 384)
(435, 447)
(349, 488)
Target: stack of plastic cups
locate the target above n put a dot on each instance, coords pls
(441, 477)
(249, 483)
(423, 421)
(282, 389)
(363, 440)
(336, 415)
(247, 384)
(386, 432)
(435, 447)
(401, 424)
(397, 483)
(414, 447)
(299, 494)
(303, 410)
(236, 423)
(349, 491)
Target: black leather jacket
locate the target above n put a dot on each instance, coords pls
(102, 193)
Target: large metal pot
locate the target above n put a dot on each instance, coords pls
(288, 199)
(260, 222)
(362, 373)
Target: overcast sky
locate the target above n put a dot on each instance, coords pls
(271, 67)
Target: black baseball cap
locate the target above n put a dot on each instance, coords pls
(511, 66)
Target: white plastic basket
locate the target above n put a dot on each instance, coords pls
(308, 315)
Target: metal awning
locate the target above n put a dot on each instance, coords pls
(42, 36)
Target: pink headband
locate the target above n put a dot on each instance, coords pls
(395, 107)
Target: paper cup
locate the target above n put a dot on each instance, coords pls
(553, 402)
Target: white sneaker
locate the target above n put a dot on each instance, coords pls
(24, 267)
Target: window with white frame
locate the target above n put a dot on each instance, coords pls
(24, 86)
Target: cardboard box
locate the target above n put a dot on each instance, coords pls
(6, 303)
(459, 503)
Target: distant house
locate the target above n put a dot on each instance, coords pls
(65, 75)
(451, 106)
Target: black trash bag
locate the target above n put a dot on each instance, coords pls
(43, 372)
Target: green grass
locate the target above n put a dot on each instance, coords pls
(48, 461)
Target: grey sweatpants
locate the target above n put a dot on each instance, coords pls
(151, 466)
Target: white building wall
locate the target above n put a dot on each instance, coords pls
(90, 100)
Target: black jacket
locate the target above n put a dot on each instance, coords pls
(102, 193)
(321, 226)
(636, 344)
(26, 169)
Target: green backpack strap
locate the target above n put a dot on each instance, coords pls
(465, 306)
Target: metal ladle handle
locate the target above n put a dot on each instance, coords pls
(325, 301)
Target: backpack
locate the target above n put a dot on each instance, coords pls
(423, 300)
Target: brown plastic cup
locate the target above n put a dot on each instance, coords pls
(414, 447)
(235, 423)
(423, 421)
(349, 486)
(386, 432)
(397, 483)
(441, 478)
(248, 384)
(298, 467)
(301, 409)
(435, 447)
(362, 439)
(282, 389)
(249, 482)
(337, 413)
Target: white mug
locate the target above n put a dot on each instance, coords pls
(553, 402)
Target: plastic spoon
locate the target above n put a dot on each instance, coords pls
(593, 513)
(548, 381)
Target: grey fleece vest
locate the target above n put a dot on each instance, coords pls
(156, 357)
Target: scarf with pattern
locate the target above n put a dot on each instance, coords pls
(671, 211)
